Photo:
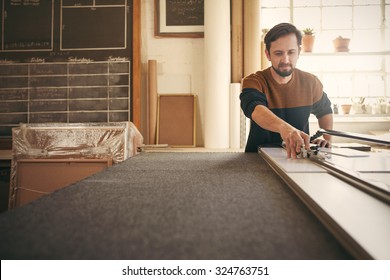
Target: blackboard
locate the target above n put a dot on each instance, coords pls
(63, 92)
(86, 28)
(179, 18)
(22, 29)
(184, 12)
(42, 67)
(53, 31)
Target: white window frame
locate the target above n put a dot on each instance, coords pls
(354, 73)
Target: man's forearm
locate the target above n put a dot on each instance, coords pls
(268, 120)
(326, 122)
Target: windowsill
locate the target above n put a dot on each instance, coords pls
(357, 118)
(344, 53)
(356, 123)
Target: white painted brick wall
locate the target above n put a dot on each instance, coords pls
(179, 64)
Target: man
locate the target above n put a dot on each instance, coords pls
(280, 99)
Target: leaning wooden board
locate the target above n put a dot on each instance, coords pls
(176, 120)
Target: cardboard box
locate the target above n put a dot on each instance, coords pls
(37, 177)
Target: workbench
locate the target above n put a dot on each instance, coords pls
(165, 205)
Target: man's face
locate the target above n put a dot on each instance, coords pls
(284, 53)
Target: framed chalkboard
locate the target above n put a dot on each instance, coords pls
(179, 18)
(21, 28)
(52, 31)
(98, 26)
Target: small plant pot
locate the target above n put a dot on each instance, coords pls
(308, 43)
(346, 108)
(341, 44)
(383, 108)
(358, 109)
(376, 109)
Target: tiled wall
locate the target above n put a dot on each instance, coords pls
(63, 92)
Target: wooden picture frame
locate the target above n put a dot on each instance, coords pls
(176, 120)
(181, 19)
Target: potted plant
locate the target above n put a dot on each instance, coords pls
(341, 44)
(380, 106)
(308, 39)
(358, 107)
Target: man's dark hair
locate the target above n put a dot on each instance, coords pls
(281, 30)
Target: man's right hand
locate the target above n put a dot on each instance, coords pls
(294, 140)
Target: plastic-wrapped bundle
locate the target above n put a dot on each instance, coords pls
(118, 141)
(115, 141)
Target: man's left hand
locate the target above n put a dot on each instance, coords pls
(322, 143)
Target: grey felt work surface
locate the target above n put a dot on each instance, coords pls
(170, 206)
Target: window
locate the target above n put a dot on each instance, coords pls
(365, 70)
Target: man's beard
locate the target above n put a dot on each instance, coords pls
(285, 73)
